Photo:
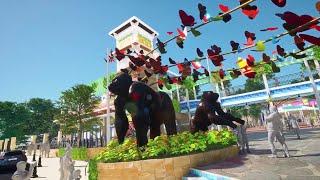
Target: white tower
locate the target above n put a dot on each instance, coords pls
(133, 34)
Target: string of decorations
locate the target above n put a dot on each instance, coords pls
(189, 21)
(218, 77)
(294, 24)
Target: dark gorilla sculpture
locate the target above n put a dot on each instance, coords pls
(206, 111)
(149, 109)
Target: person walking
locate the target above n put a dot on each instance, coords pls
(295, 125)
(274, 127)
(242, 139)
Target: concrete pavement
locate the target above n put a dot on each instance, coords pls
(50, 169)
(304, 163)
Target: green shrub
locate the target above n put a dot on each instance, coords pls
(167, 146)
(161, 147)
(93, 171)
(76, 153)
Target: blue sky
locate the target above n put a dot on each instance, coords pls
(48, 46)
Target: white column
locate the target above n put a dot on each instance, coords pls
(316, 62)
(194, 92)
(178, 94)
(45, 138)
(314, 86)
(266, 86)
(59, 139)
(188, 105)
(171, 95)
(13, 142)
(222, 88)
(1, 145)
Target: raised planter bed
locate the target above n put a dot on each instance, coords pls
(167, 168)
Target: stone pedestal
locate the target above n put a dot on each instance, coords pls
(5, 147)
(33, 139)
(45, 138)
(59, 139)
(13, 142)
(1, 145)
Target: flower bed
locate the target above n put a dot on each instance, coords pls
(164, 149)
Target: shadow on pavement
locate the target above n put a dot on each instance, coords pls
(307, 155)
(227, 164)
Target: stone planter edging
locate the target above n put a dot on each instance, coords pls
(167, 168)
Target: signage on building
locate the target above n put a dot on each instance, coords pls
(144, 41)
(124, 41)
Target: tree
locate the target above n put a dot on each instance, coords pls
(77, 110)
(316, 51)
(14, 120)
(188, 84)
(42, 117)
(109, 77)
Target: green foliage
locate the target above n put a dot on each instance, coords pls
(76, 153)
(166, 146)
(93, 171)
(42, 116)
(76, 107)
(161, 147)
(176, 105)
(186, 143)
(156, 147)
(316, 51)
(14, 120)
(188, 82)
(124, 152)
(110, 77)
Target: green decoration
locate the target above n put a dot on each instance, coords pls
(275, 68)
(233, 75)
(195, 32)
(217, 18)
(260, 46)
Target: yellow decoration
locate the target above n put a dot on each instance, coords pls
(242, 63)
(260, 46)
(144, 41)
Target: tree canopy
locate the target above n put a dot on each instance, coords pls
(77, 106)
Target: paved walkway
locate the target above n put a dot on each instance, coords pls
(50, 169)
(304, 163)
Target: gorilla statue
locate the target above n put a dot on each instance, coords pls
(209, 112)
(148, 108)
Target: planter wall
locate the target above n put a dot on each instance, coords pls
(167, 168)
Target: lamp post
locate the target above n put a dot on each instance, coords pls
(107, 118)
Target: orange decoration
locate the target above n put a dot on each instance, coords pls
(318, 6)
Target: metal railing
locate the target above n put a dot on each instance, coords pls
(273, 82)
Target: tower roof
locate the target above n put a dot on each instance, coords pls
(127, 24)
